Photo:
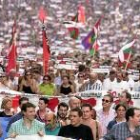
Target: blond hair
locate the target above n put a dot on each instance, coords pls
(5, 101)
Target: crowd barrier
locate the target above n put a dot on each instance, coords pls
(36, 137)
(92, 97)
(88, 93)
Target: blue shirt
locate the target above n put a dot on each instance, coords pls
(111, 124)
(120, 132)
(54, 131)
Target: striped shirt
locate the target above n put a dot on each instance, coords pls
(120, 132)
(93, 86)
(19, 128)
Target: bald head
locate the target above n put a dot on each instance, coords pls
(93, 77)
(50, 115)
(50, 118)
(74, 102)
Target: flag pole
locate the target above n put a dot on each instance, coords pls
(128, 60)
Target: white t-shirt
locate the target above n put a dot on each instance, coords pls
(120, 86)
(137, 86)
(107, 84)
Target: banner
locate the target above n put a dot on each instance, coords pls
(36, 137)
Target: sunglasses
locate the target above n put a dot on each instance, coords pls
(106, 101)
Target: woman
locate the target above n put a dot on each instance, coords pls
(6, 106)
(47, 87)
(72, 81)
(28, 84)
(120, 117)
(79, 82)
(66, 88)
(97, 125)
(4, 82)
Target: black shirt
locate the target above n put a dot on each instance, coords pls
(2, 114)
(80, 132)
(65, 90)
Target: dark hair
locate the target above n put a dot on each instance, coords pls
(27, 105)
(46, 100)
(112, 72)
(78, 110)
(95, 114)
(47, 76)
(128, 95)
(120, 105)
(81, 68)
(66, 76)
(22, 99)
(26, 72)
(110, 96)
(87, 105)
(130, 112)
(63, 105)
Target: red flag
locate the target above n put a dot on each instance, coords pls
(46, 52)
(42, 14)
(12, 56)
(97, 24)
(81, 14)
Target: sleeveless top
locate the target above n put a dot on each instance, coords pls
(65, 90)
(27, 89)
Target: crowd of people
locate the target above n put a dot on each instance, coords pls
(101, 75)
(75, 119)
(69, 119)
(119, 25)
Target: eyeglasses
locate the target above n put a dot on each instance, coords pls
(107, 101)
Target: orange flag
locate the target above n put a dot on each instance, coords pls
(42, 14)
(81, 14)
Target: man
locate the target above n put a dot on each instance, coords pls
(74, 102)
(22, 100)
(106, 114)
(62, 114)
(93, 83)
(52, 127)
(107, 84)
(40, 114)
(76, 130)
(126, 129)
(120, 85)
(125, 98)
(129, 80)
(87, 120)
(28, 125)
